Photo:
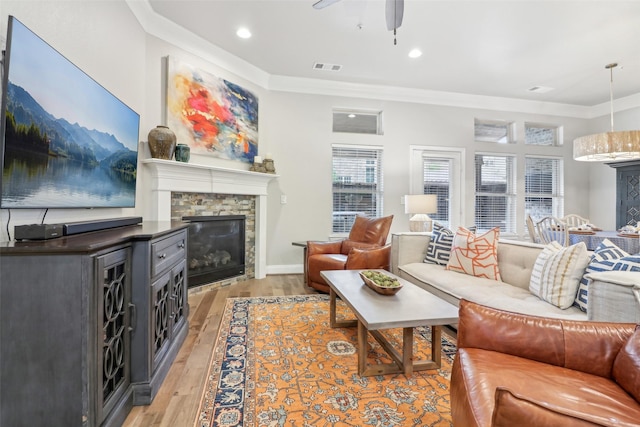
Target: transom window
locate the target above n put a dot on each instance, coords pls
(357, 121)
(357, 184)
(495, 192)
(540, 134)
(499, 131)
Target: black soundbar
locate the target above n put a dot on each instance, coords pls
(71, 228)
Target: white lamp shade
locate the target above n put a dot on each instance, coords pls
(420, 204)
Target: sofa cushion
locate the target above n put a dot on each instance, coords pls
(557, 273)
(516, 260)
(453, 286)
(511, 410)
(606, 252)
(476, 255)
(626, 367)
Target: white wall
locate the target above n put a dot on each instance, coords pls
(301, 125)
(295, 128)
(113, 55)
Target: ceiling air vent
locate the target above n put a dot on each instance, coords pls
(326, 67)
(540, 89)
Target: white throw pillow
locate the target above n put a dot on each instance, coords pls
(557, 272)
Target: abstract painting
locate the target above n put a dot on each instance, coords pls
(210, 114)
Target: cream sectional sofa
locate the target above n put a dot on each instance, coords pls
(515, 261)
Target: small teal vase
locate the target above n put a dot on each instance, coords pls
(183, 153)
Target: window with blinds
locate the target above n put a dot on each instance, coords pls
(495, 192)
(436, 174)
(357, 184)
(544, 187)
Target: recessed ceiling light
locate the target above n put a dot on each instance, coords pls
(243, 33)
(415, 53)
(352, 116)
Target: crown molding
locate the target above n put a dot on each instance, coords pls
(159, 26)
(423, 96)
(169, 31)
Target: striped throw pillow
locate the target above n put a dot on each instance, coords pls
(557, 272)
(606, 257)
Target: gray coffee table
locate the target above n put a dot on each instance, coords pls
(412, 306)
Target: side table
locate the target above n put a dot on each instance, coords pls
(303, 244)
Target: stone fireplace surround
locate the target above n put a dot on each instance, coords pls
(169, 176)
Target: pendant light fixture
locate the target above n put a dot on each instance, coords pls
(608, 146)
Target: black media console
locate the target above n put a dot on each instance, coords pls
(90, 323)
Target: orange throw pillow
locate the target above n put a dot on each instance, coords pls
(476, 255)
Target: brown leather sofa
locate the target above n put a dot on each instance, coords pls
(519, 370)
(365, 248)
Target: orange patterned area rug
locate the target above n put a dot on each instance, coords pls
(277, 362)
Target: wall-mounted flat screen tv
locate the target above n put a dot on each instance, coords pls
(67, 141)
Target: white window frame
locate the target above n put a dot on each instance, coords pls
(509, 227)
(341, 219)
(457, 177)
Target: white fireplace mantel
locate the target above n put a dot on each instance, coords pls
(169, 176)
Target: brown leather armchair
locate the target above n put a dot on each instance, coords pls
(518, 370)
(364, 249)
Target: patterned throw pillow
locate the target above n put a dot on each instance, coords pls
(606, 257)
(439, 248)
(476, 255)
(557, 272)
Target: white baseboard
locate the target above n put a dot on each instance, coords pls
(285, 269)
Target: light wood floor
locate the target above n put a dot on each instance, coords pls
(177, 400)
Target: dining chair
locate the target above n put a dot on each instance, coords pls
(551, 228)
(533, 236)
(574, 220)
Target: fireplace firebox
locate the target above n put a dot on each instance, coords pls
(215, 249)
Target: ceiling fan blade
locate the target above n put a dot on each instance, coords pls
(324, 3)
(393, 13)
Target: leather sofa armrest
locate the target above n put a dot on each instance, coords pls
(614, 296)
(368, 258)
(315, 248)
(407, 248)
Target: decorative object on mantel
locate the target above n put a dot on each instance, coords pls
(608, 146)
(162, 142)
(257, 165)
(268, 164)
(183, 153)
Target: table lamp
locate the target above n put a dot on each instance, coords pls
(420, 205)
